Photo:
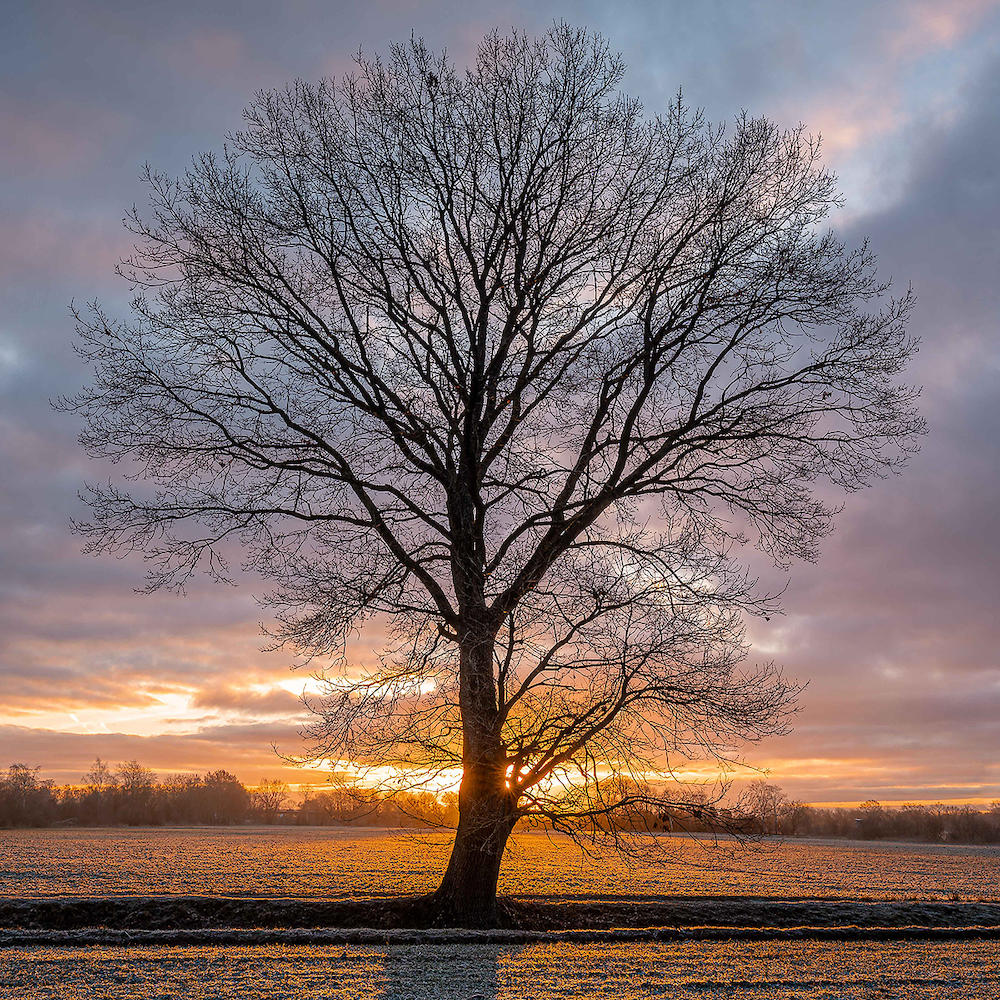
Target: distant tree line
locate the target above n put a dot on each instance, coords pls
(766, 810)
(133, 795)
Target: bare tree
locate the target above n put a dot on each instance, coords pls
(267, 798)
(502, 362)
(100, 780)
(764, 804)
(135, 791)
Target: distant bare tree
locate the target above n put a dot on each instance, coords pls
(24, 800)
(100, 780)
(100, 786)
(764, 803)
(134, 794)
(228, 799)
(267, 799)
(512, 367)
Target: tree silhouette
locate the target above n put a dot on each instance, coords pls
(502, 362)
(267, 798)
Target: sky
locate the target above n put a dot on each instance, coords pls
(895, 628)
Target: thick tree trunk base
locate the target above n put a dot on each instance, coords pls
(450, 910)
(467, 896)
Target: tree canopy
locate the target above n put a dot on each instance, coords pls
(497, 358)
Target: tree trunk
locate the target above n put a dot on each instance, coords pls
(467, 896)
(486, 808)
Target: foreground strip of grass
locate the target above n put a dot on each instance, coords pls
(212, 937)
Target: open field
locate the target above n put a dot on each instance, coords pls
(348, 863)
(279, 913)
(427, 971)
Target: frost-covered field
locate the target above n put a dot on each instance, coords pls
(707, 970)
(338, 863)
(754, 950)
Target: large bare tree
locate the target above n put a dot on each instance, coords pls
(497, 359)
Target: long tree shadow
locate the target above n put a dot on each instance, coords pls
(442, 972)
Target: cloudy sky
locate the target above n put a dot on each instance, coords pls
(896, 628)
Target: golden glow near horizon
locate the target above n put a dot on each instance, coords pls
(175, 712)
(157, 711)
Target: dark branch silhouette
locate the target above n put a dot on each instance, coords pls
(501, 361)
